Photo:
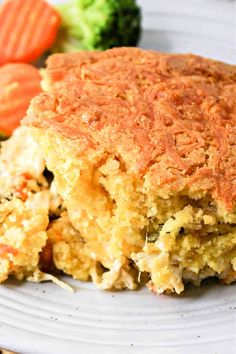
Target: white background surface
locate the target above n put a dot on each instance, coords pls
(44, 319)
(205, 27)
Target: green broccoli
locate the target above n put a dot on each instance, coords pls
(98, 25)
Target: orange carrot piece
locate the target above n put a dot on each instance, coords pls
(19, 83)
(27, 29)
(4, 249)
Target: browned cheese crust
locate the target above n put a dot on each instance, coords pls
(169, 117)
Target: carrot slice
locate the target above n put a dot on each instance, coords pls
(4, 249)
(19, 83)
(27, 29)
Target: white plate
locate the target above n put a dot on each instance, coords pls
(42, 318)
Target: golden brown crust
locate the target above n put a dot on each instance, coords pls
(170, 117)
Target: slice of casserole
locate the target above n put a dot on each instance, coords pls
(142, 146)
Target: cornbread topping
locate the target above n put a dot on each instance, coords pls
(171, 117)
(130, 173)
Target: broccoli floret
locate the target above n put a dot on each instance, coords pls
(98, 25)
